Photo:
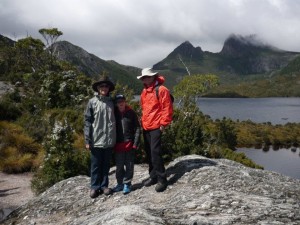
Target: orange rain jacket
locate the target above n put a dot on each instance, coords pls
(156, 111)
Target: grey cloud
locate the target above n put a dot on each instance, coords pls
(141, 33)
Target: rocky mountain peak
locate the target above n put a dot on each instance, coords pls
(200, 191)
(184, 52)
(237, 45)
(186, 49)
(65, 49)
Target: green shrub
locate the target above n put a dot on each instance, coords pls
(9, 109)
(187, 134)
(226, 133)
(251, 134)
(37, 126)
(62, 160)
(239, 157)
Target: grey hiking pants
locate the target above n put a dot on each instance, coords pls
(124, 166)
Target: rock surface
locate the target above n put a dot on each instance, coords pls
(14, 191)
(5, 87)
(200, 191)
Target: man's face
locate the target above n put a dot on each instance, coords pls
(147, 80)
(103, 89)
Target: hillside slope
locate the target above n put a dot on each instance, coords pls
(93, 66)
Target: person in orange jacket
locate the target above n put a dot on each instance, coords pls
(157, 112)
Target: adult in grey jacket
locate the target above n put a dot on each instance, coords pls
(100, 135)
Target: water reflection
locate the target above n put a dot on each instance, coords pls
(282, 160)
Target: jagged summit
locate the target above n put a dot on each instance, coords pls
(186, 49)
(240, 56)
(237, 45)
(185, 52)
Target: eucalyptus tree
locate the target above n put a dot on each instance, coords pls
(50, 35)
(194, 86)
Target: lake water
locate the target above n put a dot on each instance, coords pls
(284, 161)
(274, 110)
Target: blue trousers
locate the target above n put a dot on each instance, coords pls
(100, 165)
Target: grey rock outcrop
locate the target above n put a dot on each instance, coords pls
(200, 191)
(5, 88)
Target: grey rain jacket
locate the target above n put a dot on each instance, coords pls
(100, 123)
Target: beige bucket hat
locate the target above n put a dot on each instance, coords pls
(147, 72)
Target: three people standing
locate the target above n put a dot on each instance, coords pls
(106, 128)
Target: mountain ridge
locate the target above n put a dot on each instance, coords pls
(239, 55)
(93, 66)
(242, 59)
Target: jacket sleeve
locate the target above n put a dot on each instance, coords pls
(137, 127)
(88, 121)
(166, 106)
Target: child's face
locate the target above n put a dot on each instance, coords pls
(121, 105)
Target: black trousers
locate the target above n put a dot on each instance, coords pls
(152, 141)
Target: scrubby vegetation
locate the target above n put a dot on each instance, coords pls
(274, 86)
(251, 134)
(18, 151)
(41, 122)
(63, 159)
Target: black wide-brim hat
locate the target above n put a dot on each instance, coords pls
(103, 80)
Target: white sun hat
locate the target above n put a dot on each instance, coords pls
(147, 72)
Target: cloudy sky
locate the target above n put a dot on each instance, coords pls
(143, 32)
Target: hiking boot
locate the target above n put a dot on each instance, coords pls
(126, 189)
(94, 193)
(107, 191)
(118, 187)
(150, 182)
(160, 187)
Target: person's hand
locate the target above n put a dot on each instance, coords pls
(87, 147)
(162, 128)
